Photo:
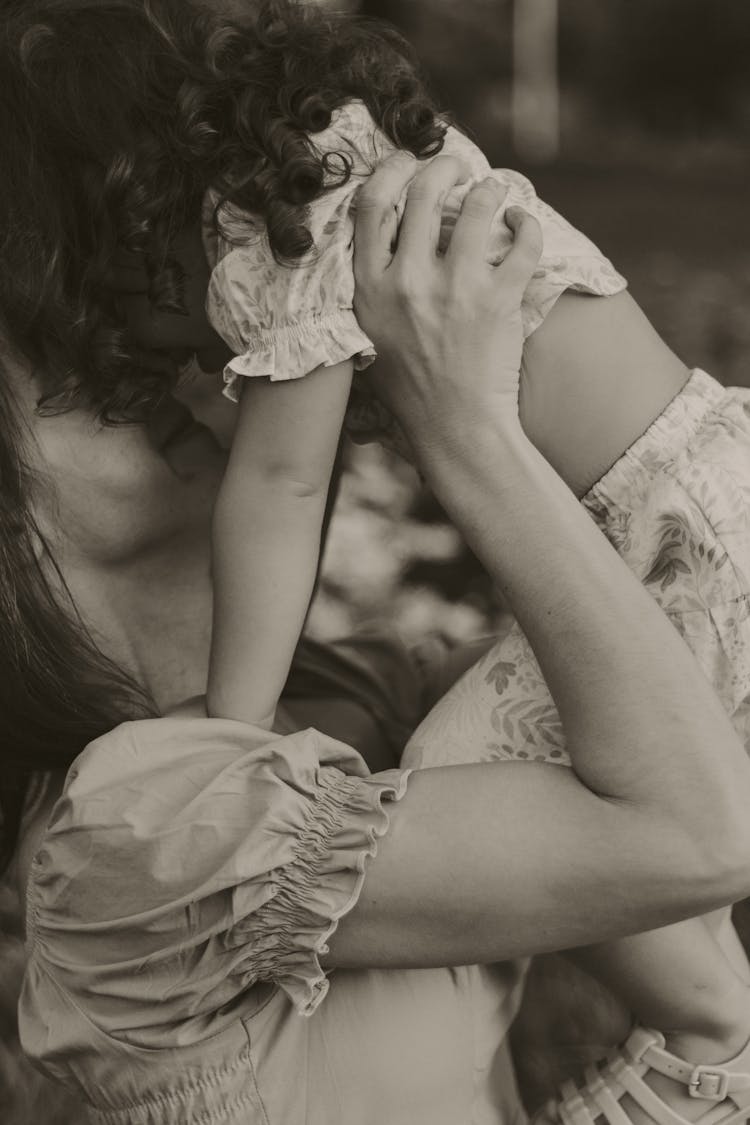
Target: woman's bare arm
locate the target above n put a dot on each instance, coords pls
(649, 827)
(489, 861)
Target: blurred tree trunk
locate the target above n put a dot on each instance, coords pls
(536, 94)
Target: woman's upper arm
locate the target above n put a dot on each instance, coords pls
(290, 838)
(239, 848)
(540, 863)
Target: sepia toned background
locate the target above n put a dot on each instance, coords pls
(632, 118)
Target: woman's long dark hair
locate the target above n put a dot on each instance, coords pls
(116, 115)
(57, 690)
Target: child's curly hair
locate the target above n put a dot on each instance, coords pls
(116, 116)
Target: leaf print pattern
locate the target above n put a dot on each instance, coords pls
(676, 506)
(671, 544)
(500, 675)
(284, 321)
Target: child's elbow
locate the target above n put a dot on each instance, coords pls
(278, 481)
(299, 487)
(290, 477)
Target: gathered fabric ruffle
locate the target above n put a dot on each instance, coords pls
(289, 933)
(278, 830)
(291, 351)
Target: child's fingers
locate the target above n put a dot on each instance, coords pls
(376, 225)
(420, 226)
(471, 234)
(521, 261)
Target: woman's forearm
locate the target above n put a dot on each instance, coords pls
(642, 723)
(486, 862)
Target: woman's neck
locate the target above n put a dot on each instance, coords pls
(152, 616)
(595, 377)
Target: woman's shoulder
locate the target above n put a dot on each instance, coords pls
(238, 848)
(155, 813)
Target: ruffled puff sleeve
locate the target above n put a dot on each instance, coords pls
(282, 321)
(569, 261)
(189, 860)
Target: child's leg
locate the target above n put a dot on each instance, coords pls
(677, 980)
(680, 981)
(721, 926)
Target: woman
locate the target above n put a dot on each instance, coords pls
(185, 885)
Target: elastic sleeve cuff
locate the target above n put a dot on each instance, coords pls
(294, 350)
(594, 276)
(322, 883)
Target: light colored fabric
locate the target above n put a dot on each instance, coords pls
(186, 884)
(676, 506)
(284, 321)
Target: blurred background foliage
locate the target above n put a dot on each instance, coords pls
(654, 149)
(648, 102)
(665, 68)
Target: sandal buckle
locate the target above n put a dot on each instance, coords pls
(709, 1082)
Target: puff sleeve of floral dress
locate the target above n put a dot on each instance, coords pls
(191, 869)
(284, 321)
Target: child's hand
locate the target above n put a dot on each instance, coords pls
(448, 328)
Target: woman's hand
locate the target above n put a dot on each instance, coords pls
(447, 328)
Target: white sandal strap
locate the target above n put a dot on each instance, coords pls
(602, 1095)
(573, 1109)
(647, 1099)
(711, 1083)
(644, 1050)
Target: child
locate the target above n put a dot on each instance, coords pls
(254, 134)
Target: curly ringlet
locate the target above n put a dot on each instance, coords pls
(115, 115)
(118, 114)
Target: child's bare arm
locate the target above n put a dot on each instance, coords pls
(595, 375)
(266, 539)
